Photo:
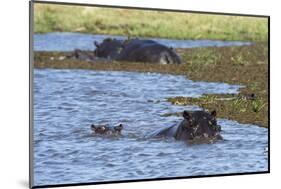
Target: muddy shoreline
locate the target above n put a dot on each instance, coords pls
(244, 65)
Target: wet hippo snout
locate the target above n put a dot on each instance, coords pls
(218, 137)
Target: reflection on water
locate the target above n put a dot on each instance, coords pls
(66, 102)
(69, 41)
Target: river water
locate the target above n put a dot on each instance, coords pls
(67, 102)
(64, 41)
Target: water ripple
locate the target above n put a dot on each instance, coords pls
(66, 102)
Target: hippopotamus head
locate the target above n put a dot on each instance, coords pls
(107, 129)
(109, 48)
(199, 127)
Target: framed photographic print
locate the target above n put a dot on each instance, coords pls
(123, 94)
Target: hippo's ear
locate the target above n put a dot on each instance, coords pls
(93, 126)
(214, 113)
(96, 44)
(119, 127)
(186, 115)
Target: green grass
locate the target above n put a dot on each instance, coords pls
(145, 23)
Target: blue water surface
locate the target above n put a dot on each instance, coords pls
(64, 41)
(67, 102)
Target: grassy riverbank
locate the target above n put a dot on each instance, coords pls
(246, 65)
(144, 23)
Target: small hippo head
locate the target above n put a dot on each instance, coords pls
(201, 126)
(109, 48)
(107, 130)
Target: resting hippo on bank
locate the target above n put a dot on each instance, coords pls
(107, 129)
(136, 50)
(197, 127)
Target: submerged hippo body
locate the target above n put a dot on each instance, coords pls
(197, 127)
(107, 130)
(136, 50)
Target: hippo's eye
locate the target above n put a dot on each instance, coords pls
(213, 125)
(214, 122)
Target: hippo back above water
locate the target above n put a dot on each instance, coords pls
(136, 50)
(197, 127)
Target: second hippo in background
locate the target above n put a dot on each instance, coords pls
(197, 127)
(136, 50)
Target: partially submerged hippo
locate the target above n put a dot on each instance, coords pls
(105, 129)
(136, 50)
(197, 127)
